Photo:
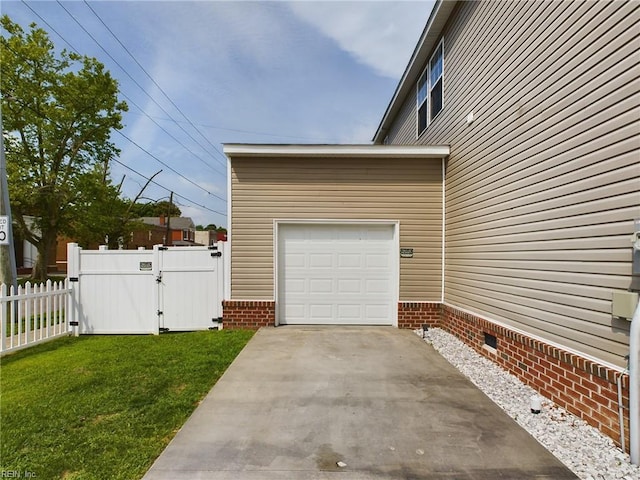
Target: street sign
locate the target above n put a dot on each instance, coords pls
(4, 230)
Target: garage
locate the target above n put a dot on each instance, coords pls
(316, 234)
(337, 273)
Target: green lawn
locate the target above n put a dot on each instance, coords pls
(104, 407)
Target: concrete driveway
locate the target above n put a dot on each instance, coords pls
(349, 403)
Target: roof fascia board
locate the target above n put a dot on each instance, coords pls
(428, 41)
(308, 151)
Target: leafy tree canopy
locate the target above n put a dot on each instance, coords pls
(211, 227)
(58, 114)
(155, 209)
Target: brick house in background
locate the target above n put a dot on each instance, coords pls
(172, 231)
(181, 231)
(209, 237)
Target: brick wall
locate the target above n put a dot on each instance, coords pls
(248, 315)
(414, 314)
(581, 386)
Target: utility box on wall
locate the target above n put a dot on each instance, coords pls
(623, 304)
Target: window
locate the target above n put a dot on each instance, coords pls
(435, 81)
(422, 103)
(430, 89)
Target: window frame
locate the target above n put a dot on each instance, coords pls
(424, 105)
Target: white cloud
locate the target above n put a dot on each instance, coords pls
(381, 35)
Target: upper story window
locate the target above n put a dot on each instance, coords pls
(430, 89)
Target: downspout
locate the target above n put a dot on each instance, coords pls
(634, 387)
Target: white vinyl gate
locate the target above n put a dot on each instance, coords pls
(146, 291)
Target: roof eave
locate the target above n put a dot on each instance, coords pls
(335, 151)
(430, 36)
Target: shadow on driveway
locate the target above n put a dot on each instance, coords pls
(349, 403)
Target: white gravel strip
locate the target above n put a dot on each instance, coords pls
(581, 447)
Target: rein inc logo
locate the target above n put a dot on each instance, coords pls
(17, 474)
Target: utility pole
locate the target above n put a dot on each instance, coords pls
(8, 274)
(169, 240)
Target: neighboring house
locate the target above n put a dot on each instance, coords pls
(27, 254)
(175, 231)
(497, 202)
(210, 237)
(182, 232)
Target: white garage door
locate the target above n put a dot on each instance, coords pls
(336, 274)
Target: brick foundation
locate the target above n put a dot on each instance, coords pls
(582, 387)
(415, 314)
(248, 315)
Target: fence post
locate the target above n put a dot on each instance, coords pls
(157, 278)
(4, 314)
(73, 277)
(224, 247)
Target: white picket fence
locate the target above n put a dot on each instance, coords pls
(32, 314)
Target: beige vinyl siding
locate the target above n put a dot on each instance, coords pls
(408, 191)
(542, 188)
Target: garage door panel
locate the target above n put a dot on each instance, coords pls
(349, 313)
(321, 286)
(321, 260)
(296, 260)
(377, 313)
(348, 286)
(377, 260)
(295, 285)
(321, 312)
(336, 274)
(378, 286)
(295, 310)
(349, 260)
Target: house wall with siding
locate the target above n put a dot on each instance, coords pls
(543, 186)
(404, 190)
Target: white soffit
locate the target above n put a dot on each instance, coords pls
(234, 150)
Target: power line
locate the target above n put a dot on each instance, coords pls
(152, 79)
(137, 145)
(192, 202)
(252, 132)
(171, 168)
(129, 99)
(137, 83)
(49, 25)
(211, 167)
(133, 142)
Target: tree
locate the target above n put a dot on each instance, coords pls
(105, 221)
(155, 209)
(58, 114)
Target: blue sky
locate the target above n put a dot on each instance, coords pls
(197, 74)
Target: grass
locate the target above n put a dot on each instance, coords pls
(36, 323)
(104, 407)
